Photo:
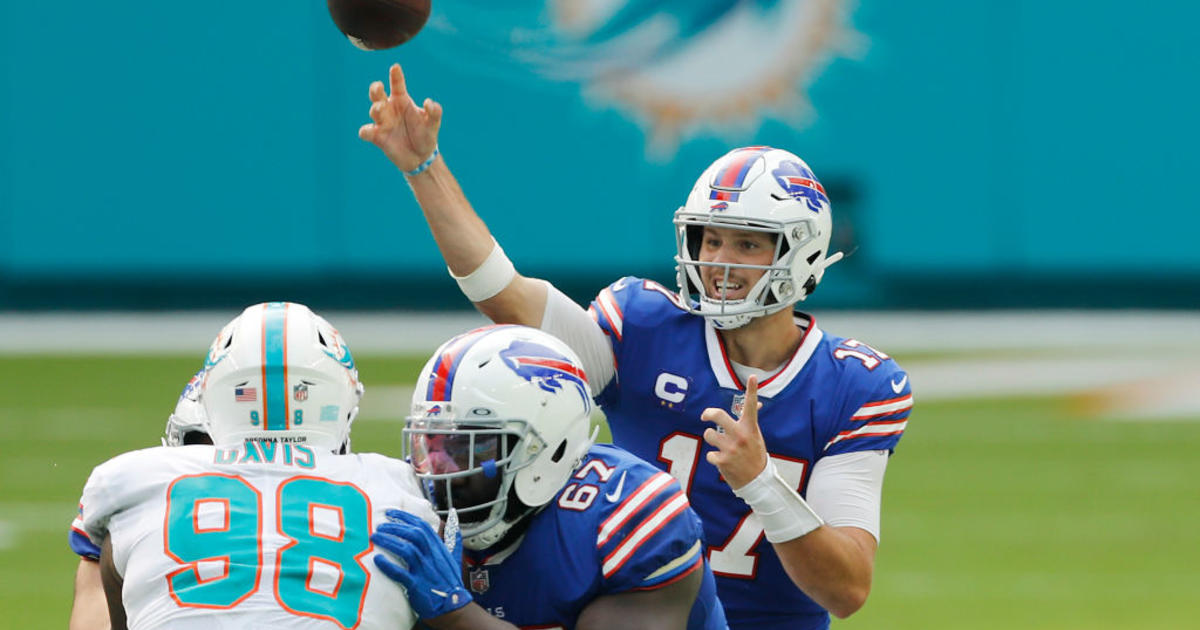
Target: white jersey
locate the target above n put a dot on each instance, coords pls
(260, 535)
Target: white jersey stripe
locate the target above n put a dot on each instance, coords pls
(648, 528)
(882, 408)
(691, 555)
(610, 311)
(871, 429)
(647, 491)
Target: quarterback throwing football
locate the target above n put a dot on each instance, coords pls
(796, 423)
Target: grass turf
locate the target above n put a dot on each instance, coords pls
(1001, 513)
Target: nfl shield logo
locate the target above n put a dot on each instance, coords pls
(300, 392)
(738, 406)
(479, 580)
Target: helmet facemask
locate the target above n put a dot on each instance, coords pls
(469, 465)
(777, 288)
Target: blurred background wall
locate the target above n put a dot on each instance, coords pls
(978, 154)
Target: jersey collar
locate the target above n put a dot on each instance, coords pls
(718, 359)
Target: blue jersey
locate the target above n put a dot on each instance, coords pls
(836, 395)
(618, 525)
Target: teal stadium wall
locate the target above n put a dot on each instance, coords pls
(986, 154)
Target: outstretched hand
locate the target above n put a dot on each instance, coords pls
(741, 452)
(430, 573)
(406, 134)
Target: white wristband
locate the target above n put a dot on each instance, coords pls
(781, 510)
(489, 278)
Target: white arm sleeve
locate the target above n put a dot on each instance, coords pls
(568, 321)
(847, 490)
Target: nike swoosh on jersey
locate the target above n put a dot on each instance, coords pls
(898, 387)
(616, 494)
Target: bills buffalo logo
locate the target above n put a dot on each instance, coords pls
(800, 183)
(545, 368)
(718, 207)
(191, 391)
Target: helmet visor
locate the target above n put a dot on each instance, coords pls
(449, 453)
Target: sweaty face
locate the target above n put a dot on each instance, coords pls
(741, 247)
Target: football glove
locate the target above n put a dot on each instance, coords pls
(430, 573)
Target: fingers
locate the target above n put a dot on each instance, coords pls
(412, 529)
(367, 132)
(716, 439)
(434, 111)
(396, 545)
(719, 417)
(402, 538)
(380, 113)
(396, 77)
(376, 92)
(393, 570)
(400, 516)
(750, 410)
(419, 538)
(749, 413)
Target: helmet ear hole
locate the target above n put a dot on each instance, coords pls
(559, 452)
(810, 285)
(812, 259)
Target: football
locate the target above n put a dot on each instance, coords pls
(379, 24)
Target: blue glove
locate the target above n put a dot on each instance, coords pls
(428, 571)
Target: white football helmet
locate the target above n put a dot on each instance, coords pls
(188, 418)
(758, 189)
(499, 423)
(279, 370)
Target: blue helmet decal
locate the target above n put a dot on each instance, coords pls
(544, 367)
(801, 184)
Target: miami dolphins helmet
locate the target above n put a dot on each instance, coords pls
(280, 371)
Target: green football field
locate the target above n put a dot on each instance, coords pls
(998, 513)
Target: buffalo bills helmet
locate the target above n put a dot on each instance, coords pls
(757, 189)
(280, 371)
(499, 423)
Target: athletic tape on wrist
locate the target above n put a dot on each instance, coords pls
(489, 278)
(782, 511)
(424, 165)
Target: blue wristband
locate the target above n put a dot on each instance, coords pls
(424, 165)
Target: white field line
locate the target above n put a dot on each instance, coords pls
(410, 332)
